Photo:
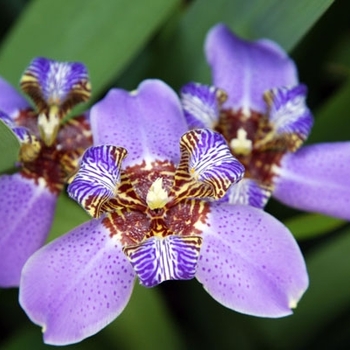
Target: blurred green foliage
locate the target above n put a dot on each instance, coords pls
(123, 42)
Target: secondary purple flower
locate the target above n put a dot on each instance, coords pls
(48, 156)
(259, 106)
(151, 188)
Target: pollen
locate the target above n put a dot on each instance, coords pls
(241, 144)
(157, 196)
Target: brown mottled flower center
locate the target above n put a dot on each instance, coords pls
(57, 162)
(139, 219)
(253, 142)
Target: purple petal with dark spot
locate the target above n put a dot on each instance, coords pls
(77, 284)
(26, 215)
(250, 262)
(316, 179)
(148, 123)
(245, 69)
(11, 101)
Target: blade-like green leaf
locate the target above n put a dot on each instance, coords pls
(306, 226)
(9, 148)
(147, 315)
(178, 56)
(332, 118)
(104, 35)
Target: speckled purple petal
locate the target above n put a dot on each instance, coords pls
(11, 101)
(26, 215)
(316, 179)
(77, 284)
(250, 262)
(288, 111)
(97, 178)
(245, 70)
(248, 192)
(201, 104)
(148, 122)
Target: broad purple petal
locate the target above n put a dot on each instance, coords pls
(148, 123)
(26, 215)
(77, 284)
(97, 178)
(288, 111)
(248, 192)
(161, 259)
(316, 178)
(49, 82)
(245, 70)
(201, 104)
(250, 262)
(11, 101)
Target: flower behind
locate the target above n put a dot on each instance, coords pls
(49, 153)
(156, 217)
(259, 106)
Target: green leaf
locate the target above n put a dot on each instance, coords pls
(330, 124)
(306, 226)
(9, 148)
(103, 35)
(177, 56)
(145, 323)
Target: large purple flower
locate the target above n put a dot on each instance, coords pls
(48, 156)
(259, 106)
(152, 188)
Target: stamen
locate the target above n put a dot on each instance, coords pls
(49, 125)
(157, 196)
(241, 144)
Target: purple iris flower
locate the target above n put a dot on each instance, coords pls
(49, 153)
(257, 103)
(151, 187)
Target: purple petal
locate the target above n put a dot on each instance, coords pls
(248, 192)
(201, 104)
(288, 111)
(77, 284)
(49, 82)
(250, 262)
(26, 215)
(316, 179)
(245, 70)
(11, 101)
(98, 177)
(148, 123)
(210, 160)
(161, 259)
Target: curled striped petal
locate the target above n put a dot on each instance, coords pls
(160, 259)
(201, 104)
(97, 178)
(288, 111)
(49, 82)
(210, 160)
(248, 192)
